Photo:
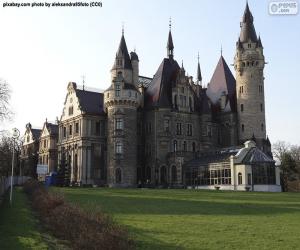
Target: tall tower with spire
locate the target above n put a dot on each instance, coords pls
(249, 65)
(121, 101)
(199, 76)
(170, 45)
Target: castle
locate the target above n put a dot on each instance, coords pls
(168, 130)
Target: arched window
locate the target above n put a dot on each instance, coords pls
(175, 146)
(242, 107)
(148, 174)
(118, 176)
(243, 127)
(262, 127)
(163, 175)
(261, 107)
(175, 101)
(194, 146)
(184, 146)
(240, 179)
(190, 104)
(174, 174)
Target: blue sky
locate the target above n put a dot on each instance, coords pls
(41, 50)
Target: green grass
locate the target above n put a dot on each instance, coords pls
(19, 229)
(193, 219)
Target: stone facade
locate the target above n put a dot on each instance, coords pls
(145, 131)
(48, 146)
(29, 151)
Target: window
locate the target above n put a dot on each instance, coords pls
(184, 146)
(175, 101)
(243, 127)
(117, 90)
(70, 129)
(107, 95)
(249, 45)
(97, 128)
(263, 174)
(189, 130)
(71, 110)
(262, 127)
(118, 176)
(148, 128)
(76, 127)
(242, 107)
(209, 132)
(119, 123)
(166, 125)
(119, 148)
(182, 90)
(261, 107)
(191, 104)
(174, 174)
(129, 93)
(178, 129)
(249, 179)
(28, 138)
(45, 143)
(65, 132)
(194, 147)
(175, 146)
(102, 128)
(241, 89)
(240, 179)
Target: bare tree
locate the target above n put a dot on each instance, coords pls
(280, 148)
(5, 111)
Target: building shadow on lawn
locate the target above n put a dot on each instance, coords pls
(151, 243)
(160, 206)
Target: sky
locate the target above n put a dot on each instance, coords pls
(42, 49)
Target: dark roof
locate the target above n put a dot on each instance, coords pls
(90, 102)
(122, 53)
(159, 92)
(134, 56)
(247, 27)
(221, 82)
(130, 86)
(53, 128)
(208, 158)
(255, 155)
(36, 133)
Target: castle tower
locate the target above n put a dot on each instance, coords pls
(249, 65)
(121, 101)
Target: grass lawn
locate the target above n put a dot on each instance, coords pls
(19, 229)
(194, 219)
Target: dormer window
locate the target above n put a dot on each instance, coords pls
(71, 110)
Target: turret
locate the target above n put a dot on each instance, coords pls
(121, 101)
(249, 64)
(135, 67)
(122, 62)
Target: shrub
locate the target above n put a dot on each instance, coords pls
(84, 230)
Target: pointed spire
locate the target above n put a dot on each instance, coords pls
(247, 27)
(221, 50)
(259, 44)
(122, 60)
(199, 76)
(170, 45)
